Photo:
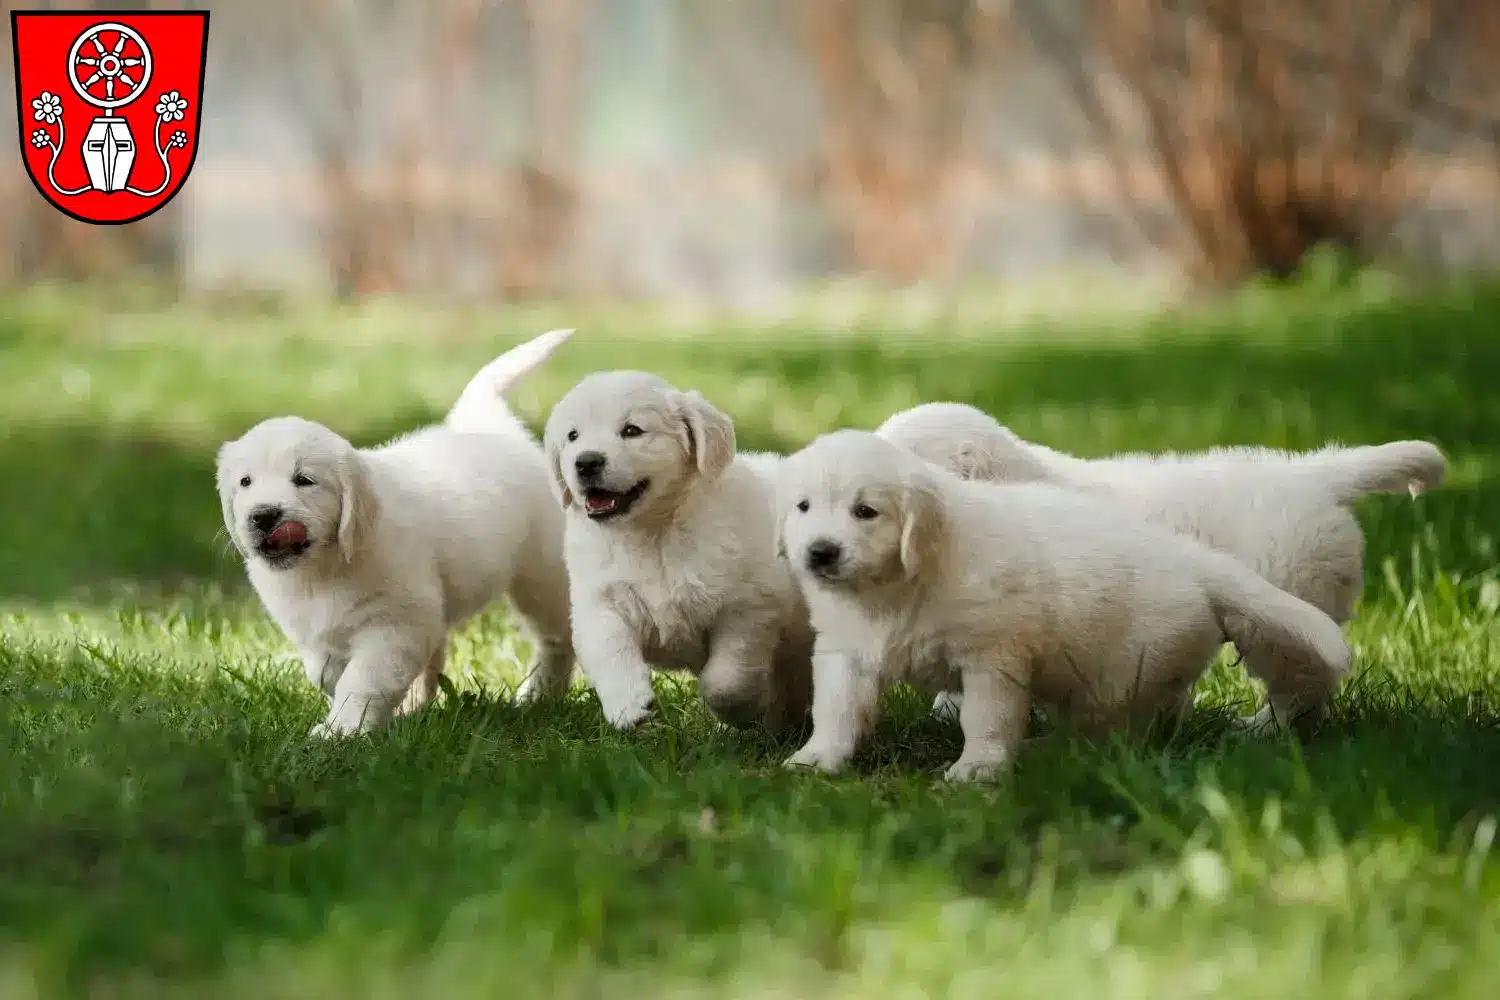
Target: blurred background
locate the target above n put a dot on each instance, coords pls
(736, 151)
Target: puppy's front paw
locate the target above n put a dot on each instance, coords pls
(326, 730)
(535, 689)
(988, 767)
(737, 713)
(817, 758)
(1263, 723)
(632, 714)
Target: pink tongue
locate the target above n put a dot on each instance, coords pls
(288, 533)
(599, 502)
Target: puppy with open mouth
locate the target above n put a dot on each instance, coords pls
(670, 554)
(1024, 591)
(368, 558)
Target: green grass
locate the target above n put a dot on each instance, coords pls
(165, 830)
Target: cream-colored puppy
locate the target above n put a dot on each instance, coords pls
(367, 558)
(670, 553)
(1024, 591)
(1284, 515)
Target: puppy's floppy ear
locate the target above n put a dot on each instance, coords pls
(710, 434)
(358, 507)
(555, 475)
(552, 447)
(226, 495)
(923, 528)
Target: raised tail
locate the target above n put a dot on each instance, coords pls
(1253, 612)
(1398, 467)
(481, 406)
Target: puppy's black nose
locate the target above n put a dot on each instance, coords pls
(265, 518)
(822, 554)
(589, 464)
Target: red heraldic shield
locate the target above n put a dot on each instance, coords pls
(109, 105)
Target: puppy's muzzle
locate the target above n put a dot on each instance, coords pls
(823, 557)
(278, 540)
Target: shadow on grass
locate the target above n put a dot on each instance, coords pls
(159, 824)
(82, 507)
(1408, 369)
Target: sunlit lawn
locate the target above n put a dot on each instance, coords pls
(166, 831)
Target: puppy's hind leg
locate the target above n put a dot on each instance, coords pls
(550, 672)
(425, 687)
(736, 681)
(545, 615)
(1299, 691)
(791, 681)
(1328, 573)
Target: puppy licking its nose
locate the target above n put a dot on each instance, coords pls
(280, 539)
(367, 558)
(288, 535)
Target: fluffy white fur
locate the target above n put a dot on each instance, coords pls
(670, 555)
(402, 543)
(1285, 515)
(1023, 591)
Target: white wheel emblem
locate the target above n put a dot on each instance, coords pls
(127, 64)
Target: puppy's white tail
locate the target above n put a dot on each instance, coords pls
(481, 406)
(1398, 467)
(1253, 611)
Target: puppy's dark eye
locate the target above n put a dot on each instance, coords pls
(865, 512)
(630, 431)
(301, 479)
(244, 480)
(802, 505)
(573, 435)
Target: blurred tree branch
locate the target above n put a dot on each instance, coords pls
(397, 156)
(894, 78)
(1272, 127)
(545, 199)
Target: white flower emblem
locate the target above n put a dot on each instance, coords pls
(171, 107)
(179, 138)
(40, 139)
(47, 108)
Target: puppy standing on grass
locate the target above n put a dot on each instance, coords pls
(670, 556)
(1284, 515)
(1024, 591)
(367, 558)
